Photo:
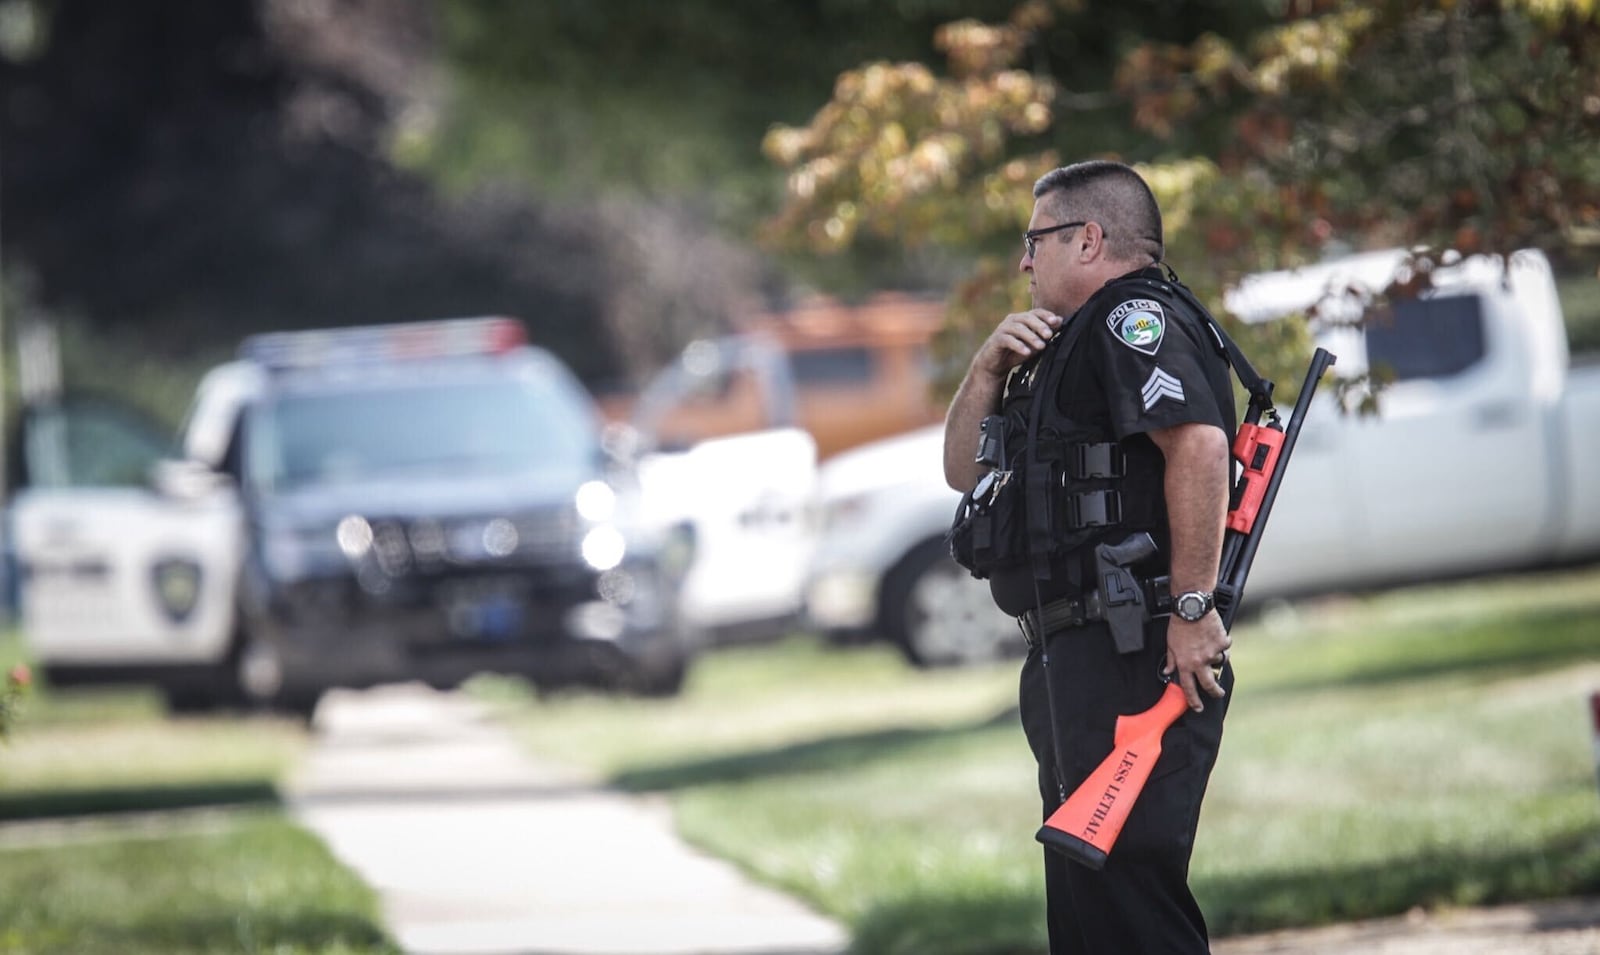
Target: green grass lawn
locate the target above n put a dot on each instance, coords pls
(1430, 747)
(112, 750)
(1423, 747)
(85, 868)
(254, 884)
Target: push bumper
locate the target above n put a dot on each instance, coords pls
(339, 631)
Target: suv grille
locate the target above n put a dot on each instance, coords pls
(400, 546)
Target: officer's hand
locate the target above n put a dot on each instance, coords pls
(1197, 652)
(1018, 337)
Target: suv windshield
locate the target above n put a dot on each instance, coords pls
(456, 427)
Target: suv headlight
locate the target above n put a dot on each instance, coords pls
(603, 547)
(596, 501)
(354, 535)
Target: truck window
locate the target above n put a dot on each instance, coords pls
(233, 458)
(1427, 337)
(832, 366)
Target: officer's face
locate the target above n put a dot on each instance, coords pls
(1050, 259)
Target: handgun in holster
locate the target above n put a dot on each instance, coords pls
(1120, 598)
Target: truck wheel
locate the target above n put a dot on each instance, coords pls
(655, 675)
(259, 671)
(663, 681)
(190, 700)
(298, 704)
(940, 615)
(210, 691)
(260, 677)
(610, 670)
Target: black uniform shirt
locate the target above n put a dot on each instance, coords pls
(1141, 364)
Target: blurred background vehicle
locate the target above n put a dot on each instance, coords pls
(351, 507)
(1484, 454)
(882, 569)
(742, 500)
(730, 434)
(845, 374)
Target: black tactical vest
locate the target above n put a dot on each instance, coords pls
(1064, 483)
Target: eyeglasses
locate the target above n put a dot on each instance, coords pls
(1030, 239)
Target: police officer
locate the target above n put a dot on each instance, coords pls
(1136, 429)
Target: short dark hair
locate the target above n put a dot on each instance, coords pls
(1112, 194)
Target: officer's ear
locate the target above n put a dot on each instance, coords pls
(1091, 241)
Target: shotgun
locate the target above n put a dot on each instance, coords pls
(1087, 825)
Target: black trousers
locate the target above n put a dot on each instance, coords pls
(1140, 902)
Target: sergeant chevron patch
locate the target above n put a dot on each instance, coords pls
(1161, 385)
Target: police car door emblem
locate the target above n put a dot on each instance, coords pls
(1161, 385)
(1139, 323)
(177, 586)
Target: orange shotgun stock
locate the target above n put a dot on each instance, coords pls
(1086, 826)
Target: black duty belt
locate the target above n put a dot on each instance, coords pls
(1070, 612)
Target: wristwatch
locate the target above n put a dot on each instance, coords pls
(1194, 604)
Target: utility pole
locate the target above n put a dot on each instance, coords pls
(7, 566)
(5, 492)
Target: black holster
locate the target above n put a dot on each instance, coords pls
(1120, 596)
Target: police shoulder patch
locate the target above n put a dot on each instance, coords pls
(1138, 323)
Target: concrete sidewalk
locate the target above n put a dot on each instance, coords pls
(474, 848)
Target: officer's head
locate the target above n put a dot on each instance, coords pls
(1103, 222)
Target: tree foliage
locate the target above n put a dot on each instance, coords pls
(647, 98)
(899, 150)
(1452, 124)
(1438, 123)
(190, 171)
(179, 175)
(652, 101)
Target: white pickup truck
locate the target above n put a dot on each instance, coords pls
(1485, 455)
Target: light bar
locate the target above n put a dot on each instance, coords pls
(384, 344)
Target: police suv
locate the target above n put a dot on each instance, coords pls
(351, 507)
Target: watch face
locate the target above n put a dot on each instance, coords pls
(1191, 607)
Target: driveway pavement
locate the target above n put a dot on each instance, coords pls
(1564, 927)
(474, 849)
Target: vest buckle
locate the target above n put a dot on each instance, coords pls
(1094, 509)
(1099, 460)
